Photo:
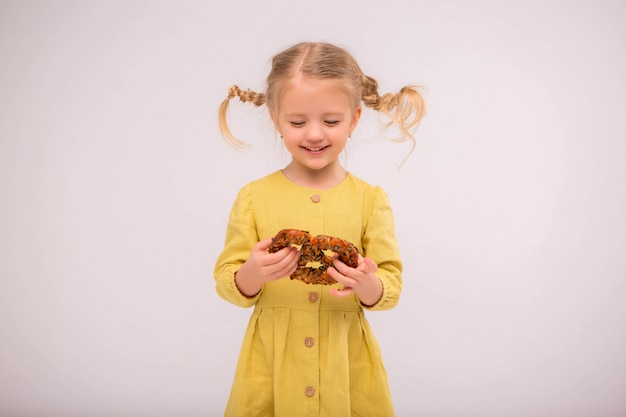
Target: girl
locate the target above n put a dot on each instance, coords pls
(308, 349)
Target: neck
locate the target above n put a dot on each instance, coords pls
(320, 179)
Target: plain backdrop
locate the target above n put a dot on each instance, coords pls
(115, 189)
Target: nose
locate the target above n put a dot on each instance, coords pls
(315, 131)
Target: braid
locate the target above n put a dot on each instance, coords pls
(369, 93)
(258, 99)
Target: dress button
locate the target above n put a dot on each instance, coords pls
(313, 296)
(309, 391)
(316, 198)
(309, 342)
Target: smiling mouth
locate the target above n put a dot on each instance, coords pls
(315, 149)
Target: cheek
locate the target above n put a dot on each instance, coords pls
(289, 132)
(290, 139)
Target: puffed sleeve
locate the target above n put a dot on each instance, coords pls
(380, 244)
(241, 236)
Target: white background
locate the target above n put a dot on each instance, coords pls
(115, 189)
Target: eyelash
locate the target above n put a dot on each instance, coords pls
(328, 122)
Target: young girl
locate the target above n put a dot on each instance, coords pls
(308, 349)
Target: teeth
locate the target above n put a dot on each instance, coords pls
(314, 149)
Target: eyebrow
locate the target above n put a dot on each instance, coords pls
(327, 114)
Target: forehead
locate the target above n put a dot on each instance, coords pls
(301, 94)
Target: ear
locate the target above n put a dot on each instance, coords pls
(275, 122)
(356, 116)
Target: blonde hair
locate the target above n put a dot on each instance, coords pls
(320, 60)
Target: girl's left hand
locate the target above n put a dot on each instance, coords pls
(361, 280)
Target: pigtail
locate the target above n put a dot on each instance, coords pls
(318, 60)
(404, 109)
(258, 99)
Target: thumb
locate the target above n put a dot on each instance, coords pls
(264, 244)
(370, 265)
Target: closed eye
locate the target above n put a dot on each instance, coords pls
(297, 124)
(331, 122)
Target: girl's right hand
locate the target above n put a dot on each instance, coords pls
(262, 267)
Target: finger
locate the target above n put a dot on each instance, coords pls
(340, 278)
(352, 273)
(285, 258)
(281, 273)
(276, 257)
(340, 266)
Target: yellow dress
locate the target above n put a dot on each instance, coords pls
(306, 352)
